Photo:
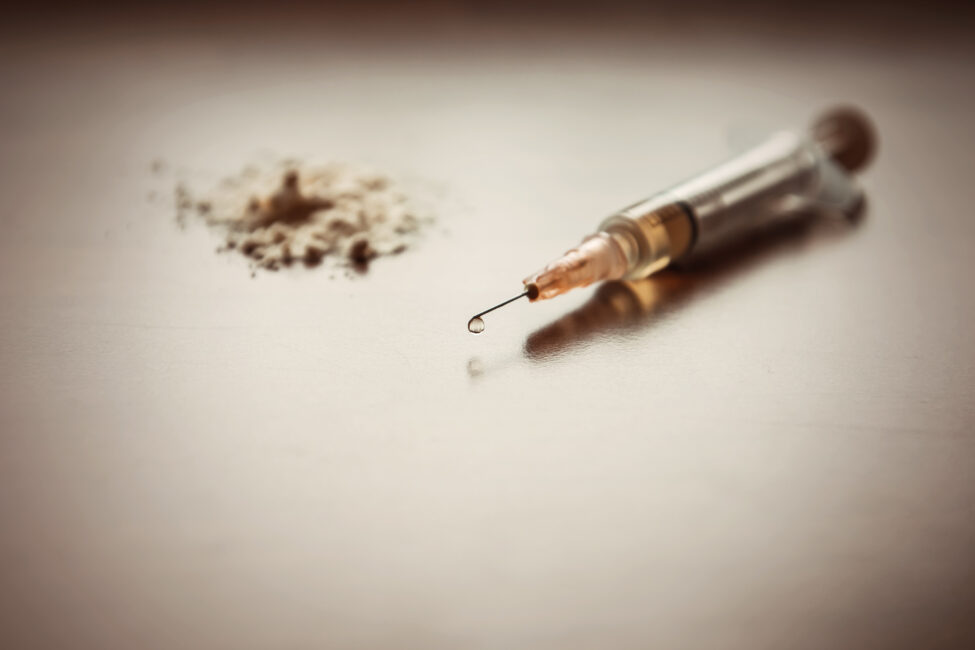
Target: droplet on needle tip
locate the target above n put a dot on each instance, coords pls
(475, 325)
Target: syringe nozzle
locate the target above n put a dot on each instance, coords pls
(597, 258)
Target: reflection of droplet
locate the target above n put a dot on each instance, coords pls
(475, 325)
(475, 367)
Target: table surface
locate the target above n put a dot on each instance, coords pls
(772, 451)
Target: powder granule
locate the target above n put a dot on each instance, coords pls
(291, 212)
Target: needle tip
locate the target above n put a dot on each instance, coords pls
(476, 324)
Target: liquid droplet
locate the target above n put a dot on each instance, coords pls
(475, 325)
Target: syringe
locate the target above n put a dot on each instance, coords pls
(727, 202)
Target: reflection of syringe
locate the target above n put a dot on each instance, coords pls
(722, 204)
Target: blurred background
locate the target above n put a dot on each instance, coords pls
(773, 450)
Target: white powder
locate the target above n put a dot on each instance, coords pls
(287, 213)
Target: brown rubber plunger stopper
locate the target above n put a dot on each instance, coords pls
(848, 136)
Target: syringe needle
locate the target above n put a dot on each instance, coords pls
(475, 325)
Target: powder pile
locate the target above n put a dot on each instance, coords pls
(290, 213)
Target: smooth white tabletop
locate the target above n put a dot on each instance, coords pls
(776, 453)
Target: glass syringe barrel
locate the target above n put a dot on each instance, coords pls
(723, 203)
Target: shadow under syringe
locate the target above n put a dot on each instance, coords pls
(617, 307)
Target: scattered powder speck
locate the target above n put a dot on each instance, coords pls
(290, 213)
